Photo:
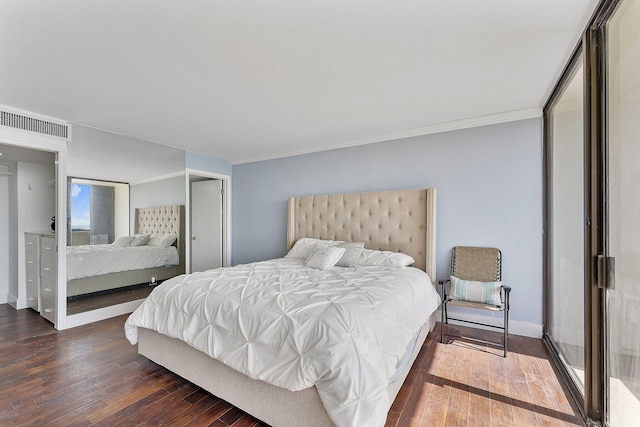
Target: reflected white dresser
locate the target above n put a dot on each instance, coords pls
(41, 273)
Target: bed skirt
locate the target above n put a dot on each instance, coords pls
(276, 406)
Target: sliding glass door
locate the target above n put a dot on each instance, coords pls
(592, 217)
(623, 166)
(565, 225)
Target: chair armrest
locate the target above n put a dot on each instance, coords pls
(507, 291)
(443, 283)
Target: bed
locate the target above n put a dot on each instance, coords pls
(395, 221)
(89, 268)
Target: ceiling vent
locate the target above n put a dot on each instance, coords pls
(32, 124)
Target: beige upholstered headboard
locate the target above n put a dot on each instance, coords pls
(164, 220)
(401, 221)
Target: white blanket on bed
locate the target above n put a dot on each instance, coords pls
(94, 260)
(343, 330)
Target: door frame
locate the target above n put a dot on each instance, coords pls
(226, 213)
(40, 142)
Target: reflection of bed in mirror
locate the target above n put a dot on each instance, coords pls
(83, 278)
(397, 221)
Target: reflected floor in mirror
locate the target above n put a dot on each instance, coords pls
(88, 302)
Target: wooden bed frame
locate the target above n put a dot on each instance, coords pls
(159, 220)
(402, 221)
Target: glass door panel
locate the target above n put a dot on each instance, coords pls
(565, 325)
(623, 302)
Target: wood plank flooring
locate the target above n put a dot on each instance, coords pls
(91, 375)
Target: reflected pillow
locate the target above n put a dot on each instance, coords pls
(470, 290)
(122, 242)
(162, 240)
(385, 259)
(140, 240)
(324, 257)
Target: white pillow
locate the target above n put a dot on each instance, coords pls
(351, 254)
(385, 258)
(324, 256)
(162, 240)
(122, 242)
(305, 245)
(139, 240)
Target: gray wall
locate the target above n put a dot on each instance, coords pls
(489, 182)
(164, 192)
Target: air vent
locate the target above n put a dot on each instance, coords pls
(19, 121)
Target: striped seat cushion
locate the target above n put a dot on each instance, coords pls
(470, 290)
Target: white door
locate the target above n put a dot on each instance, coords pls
(206, 225)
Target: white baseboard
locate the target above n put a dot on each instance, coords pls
(102, 313)
(4, 298)
(516, 327)
(16, 303)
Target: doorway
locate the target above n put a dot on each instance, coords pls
(207, 225)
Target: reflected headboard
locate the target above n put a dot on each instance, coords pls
(400, 221)
(164, 220)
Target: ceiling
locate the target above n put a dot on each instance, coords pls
(245, 81)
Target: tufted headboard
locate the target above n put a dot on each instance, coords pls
(164, 220)
(401, 221)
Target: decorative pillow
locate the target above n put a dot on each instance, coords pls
(469, 290)
(305, 245)
(162, 240)
(122, 242)
(324, 257)
(352, 251)
(140, 240)
(385, 258)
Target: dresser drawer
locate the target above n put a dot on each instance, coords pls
(32, 299)
(48, 300)
(49, 313)
(31, 243)
(48, 247)
(31, 261)
(48, 268)
(32, 281)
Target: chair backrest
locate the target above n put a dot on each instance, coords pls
(479, 264)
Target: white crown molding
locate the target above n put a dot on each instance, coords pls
(472, 122)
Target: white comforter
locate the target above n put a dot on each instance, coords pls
(343, 330)
(94, 260)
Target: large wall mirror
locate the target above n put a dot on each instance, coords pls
(97, 216)
(114, 182)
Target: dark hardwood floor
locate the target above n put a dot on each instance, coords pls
(91, 375)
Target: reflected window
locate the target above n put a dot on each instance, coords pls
(80, 207)
(98, 211)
